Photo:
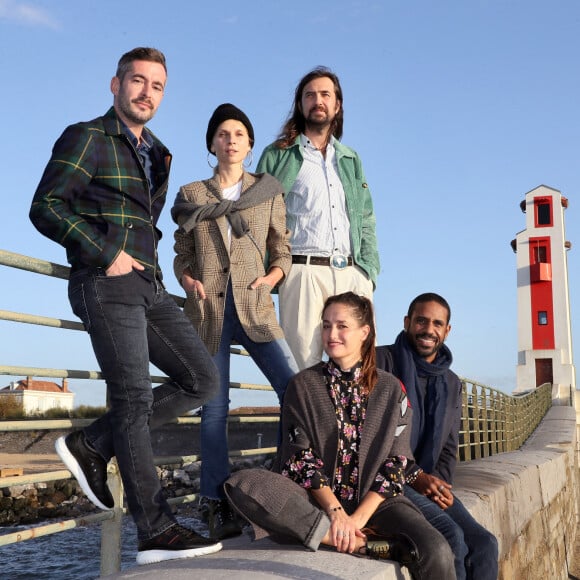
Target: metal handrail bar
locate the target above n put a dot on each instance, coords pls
(58, 424)
(78, 374)
(36, 265)
(38, 320)
(47, 529)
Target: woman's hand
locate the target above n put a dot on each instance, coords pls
(435, 489)
(191, 285)
(272, 278)
(344, 532)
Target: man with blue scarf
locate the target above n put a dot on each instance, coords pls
(421, 360)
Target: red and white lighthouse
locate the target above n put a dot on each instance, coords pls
(544, 331)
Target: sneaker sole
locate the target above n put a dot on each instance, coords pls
(73, 466)
(154, 556)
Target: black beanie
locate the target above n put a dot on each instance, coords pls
(223, 113)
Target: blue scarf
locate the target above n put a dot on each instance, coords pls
(428, 405)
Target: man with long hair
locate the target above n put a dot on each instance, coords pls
(329, 212)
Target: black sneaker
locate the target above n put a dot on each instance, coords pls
(88, 467)
(204, 509)
(222, 521)
(397, 548)
(175, 542)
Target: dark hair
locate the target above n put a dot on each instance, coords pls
(296, 123)
(362, 310)
(139, 53)
(430, 297)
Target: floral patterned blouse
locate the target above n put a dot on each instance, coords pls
(350, 401)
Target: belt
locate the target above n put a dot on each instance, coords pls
(337, 261)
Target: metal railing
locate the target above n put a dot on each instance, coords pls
(492, 422)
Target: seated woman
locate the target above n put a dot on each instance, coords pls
(232, 248)
(339, 475)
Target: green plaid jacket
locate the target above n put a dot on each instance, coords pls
(94, 197)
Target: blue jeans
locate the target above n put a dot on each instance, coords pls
(277, 363)
(474, 548)
(133, 321)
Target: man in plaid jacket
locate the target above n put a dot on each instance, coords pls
(100, 197)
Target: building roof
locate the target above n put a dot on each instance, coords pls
(29, 384)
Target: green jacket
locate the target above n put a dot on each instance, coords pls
(284, 165)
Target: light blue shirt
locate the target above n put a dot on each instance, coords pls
(316, 205)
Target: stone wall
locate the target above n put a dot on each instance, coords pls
(529, 499)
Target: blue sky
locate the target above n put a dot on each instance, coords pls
(457, 109)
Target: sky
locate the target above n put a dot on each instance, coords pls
(457, 109)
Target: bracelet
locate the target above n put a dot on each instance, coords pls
(334, 509)
(412, 478)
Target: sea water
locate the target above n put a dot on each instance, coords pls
(69, 555)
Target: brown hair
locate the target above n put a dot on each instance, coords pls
(296, 123)
(362, 310)
(139, 53)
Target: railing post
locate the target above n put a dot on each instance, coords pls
(111, 529)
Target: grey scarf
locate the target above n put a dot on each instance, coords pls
(187, 214)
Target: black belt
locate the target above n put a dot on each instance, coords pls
(317, 260)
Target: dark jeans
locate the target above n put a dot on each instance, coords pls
(474, 548)
(285, 510)
(133, 321)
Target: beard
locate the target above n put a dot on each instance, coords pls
(422, 350)
(134, 115)
(315, 120)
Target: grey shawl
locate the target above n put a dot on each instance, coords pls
(187, 214)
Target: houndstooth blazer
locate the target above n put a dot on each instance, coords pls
(205, 250)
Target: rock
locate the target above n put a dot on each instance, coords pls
(7, 518)
(58, 497)
(182, 476)
(20, 504)
(18, 490)
(5, 503)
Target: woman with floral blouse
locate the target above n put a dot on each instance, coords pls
(339, 475)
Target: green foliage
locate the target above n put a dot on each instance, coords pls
(11, 408)
(54, 413)
(82, 412)
(87, 412)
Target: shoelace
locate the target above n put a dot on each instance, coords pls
(223, 513)
(184, 532)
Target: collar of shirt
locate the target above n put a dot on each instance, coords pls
(316, 205)
(143, 147)
(139, 144)
(307, 144)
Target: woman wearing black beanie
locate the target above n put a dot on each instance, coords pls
(232, 249)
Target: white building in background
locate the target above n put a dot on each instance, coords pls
(544, 331)
(39, 396)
